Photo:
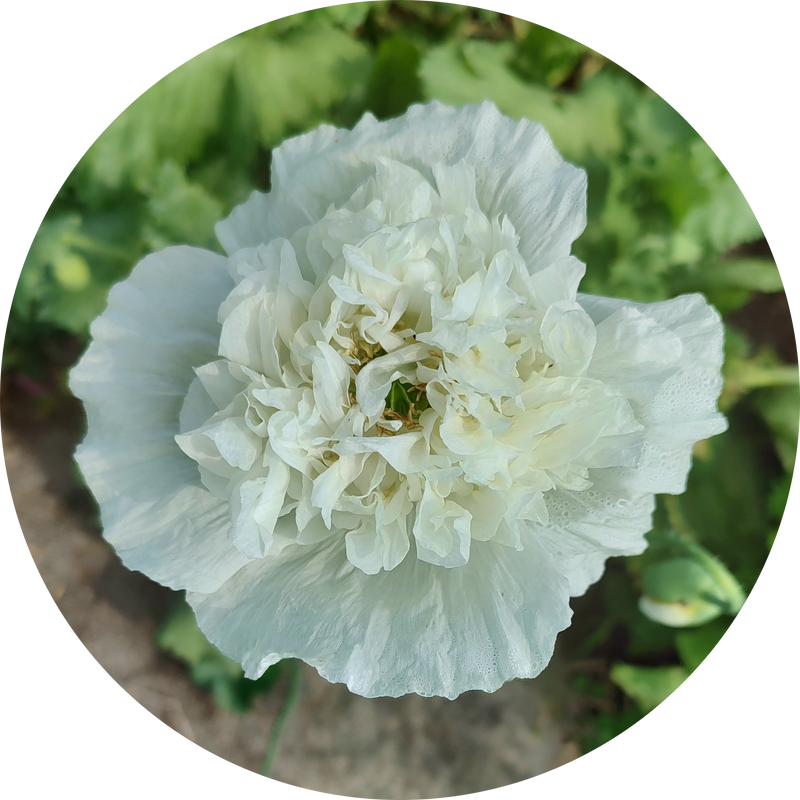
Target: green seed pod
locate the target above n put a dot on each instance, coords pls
(685, 585)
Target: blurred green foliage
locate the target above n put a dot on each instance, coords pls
(182, 639)
(664, 217)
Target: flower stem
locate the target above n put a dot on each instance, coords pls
(292, 696)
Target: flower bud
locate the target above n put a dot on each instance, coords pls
(685, 586)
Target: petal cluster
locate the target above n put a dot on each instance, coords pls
(386, 434)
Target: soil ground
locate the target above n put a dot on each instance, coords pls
(334, 741)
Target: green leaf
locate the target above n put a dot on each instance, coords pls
(348, 16)
(725, 220)
(657, 127)
(780, 408)
(291, 84)
(49, 244)
(182, 211)
(727, 283)
(724, 505)
(544, 56)
(675, 182)
(606, 726)
(74, 311)
(754, 274)
(694, 645)
(614, 608)
(648, 686)
(745, 372)
(394, 84)
(581, 125)
(173, 119)
(779, 497)
(180, 636)
(223, 677)
(71, 271)
(61, 283)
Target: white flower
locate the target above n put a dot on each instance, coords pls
(386, 435)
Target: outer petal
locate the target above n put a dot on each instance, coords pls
(133, 380)
(586, 528)
(611, 519)
(519, 174)
(635, 354)
(684, 410)
(418, 628)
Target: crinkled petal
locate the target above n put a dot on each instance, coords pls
(489, 368)
(249, 334)
(635, 354)
(220, 385)
(372, 549)
(684, 410)
(331, 384)
(519, 174)
(557, 282)
(464, 435)
(407, 453)
(417, 628)
(198, 406)
(133, 380)
(442, 530)
(586, 528)
(487, 509)
(568, 337)
(232, 439)
(255, 508)
(329, 486)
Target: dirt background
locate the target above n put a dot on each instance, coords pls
(334, 741)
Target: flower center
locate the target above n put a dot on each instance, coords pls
(404, 403)
(396, 371)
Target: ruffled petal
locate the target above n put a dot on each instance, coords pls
(442, 530)
(255, 508)
(417, 628)
(407, 453)
(586, 528)
(684, 409)
(557, 282)
(568, 337)
(328, 487)
(331, 383)
(133, 380)
(635, 354)
(559, 416)
(372, 549)
(519, 175)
